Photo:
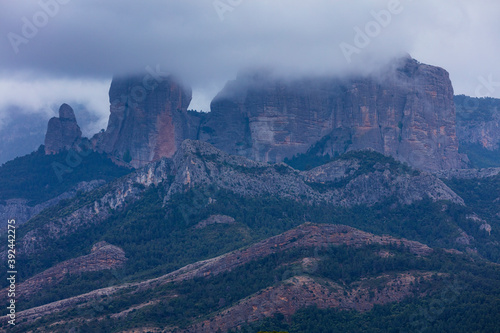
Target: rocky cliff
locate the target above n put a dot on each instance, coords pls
(406, 112)
(62, 132)
(478, 121)
(148, 119)
(478, 130)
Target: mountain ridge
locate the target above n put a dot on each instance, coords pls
(407, 112)
(199, 164)
(352, 181)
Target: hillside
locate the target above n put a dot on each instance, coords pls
(201, 173)
(193, 209)
(333, 267)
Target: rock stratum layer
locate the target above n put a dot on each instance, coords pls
(102, 257)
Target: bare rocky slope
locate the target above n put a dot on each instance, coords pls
(22, 212)
(478, 121)
(299, 292)
(469, 173)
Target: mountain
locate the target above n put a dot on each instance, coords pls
(37, 181)
(213, 232)
(406, 111)
(478, 129)
(213, 240)
(261, 116)
(356, 179)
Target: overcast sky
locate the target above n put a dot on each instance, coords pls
(55, 51)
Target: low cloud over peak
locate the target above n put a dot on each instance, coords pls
(206, 42)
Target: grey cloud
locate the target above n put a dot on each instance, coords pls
(92, 39)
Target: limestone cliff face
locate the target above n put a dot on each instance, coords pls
(478, 121)
(62, 132)
(407, 112)
(148, 119)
